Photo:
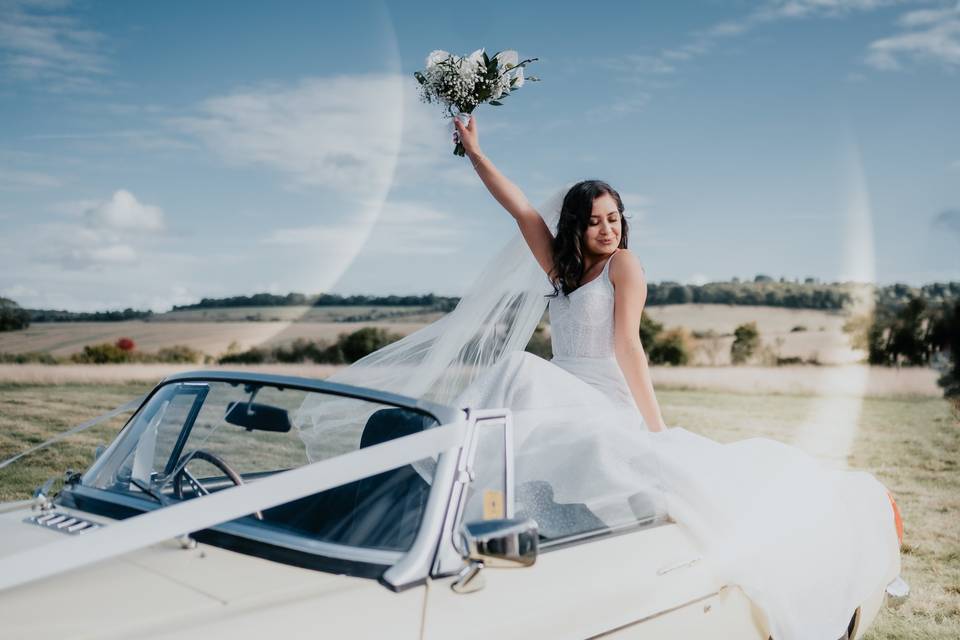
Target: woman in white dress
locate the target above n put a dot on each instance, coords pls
(808, 544)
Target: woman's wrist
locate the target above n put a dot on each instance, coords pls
(476, 156)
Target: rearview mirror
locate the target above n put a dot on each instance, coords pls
(254, 416)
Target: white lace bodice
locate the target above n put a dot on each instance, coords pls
(581, 324)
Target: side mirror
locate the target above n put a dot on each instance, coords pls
(496, 543)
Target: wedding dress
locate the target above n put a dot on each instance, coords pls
(806, 543)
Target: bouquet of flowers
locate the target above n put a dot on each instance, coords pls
(463, 83)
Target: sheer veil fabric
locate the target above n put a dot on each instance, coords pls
(807, 544)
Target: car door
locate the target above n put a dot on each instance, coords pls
(643, 578)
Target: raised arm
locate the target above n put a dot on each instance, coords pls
(630, 294)
(532, 227)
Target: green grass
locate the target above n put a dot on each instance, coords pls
(911, 445)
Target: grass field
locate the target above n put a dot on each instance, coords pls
(912, 444)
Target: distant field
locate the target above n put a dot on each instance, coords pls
(821, 338)
(211, 331)
(212, 338)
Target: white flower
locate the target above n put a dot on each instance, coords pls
(517, 81)
(507, 59)
(476, 58)
(436, 56)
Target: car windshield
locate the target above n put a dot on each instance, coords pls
(198, 437)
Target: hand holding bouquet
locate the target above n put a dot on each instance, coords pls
(463, 83)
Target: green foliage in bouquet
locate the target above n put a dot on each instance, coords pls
(464, 83)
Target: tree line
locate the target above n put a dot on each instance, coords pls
(322, 300)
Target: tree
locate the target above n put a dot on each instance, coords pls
(746, 339)
(12, 317)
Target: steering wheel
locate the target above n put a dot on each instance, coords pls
(196, 485)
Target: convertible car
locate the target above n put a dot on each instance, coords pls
(248, 506)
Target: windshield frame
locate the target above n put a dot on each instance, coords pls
(288, 548)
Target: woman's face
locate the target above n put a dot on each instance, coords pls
(602, 235)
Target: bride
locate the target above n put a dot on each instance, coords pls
(808, 544)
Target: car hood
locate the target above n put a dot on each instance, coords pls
(134, 593)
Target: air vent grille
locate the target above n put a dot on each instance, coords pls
(63, 522)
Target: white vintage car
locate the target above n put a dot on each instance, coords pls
(206, 519)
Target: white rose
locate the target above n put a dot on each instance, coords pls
(508, 59)
(436, 56)
(476, 58)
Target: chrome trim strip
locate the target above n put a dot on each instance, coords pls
(415, 565)
(449, 558)
(608, 632)
(588, 536)
(679, 565)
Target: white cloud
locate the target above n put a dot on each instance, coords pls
(18, 292)
(618, 107)
(112, 254)
(705, 40)
(354, 134)
(340, 132)
(123, 212)
(11, 179)
(42, 43)
(930, 34)
(401, 228)
(639, 64)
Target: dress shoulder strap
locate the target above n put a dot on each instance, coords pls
(606, 268)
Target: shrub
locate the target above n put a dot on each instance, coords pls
(797, 329)
(179, 353)
(31, 357)
(349, 347)
(746, 339)
(649, 329)
(364, 341)
(104, 353)
(250, 356)
(672, 347)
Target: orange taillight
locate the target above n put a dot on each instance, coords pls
(897, 520)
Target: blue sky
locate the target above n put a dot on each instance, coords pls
(155, 153)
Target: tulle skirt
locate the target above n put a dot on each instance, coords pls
(806, 543)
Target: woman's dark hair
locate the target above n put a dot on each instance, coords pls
(574, 218)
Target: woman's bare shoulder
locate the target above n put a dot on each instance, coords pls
(625, 266)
